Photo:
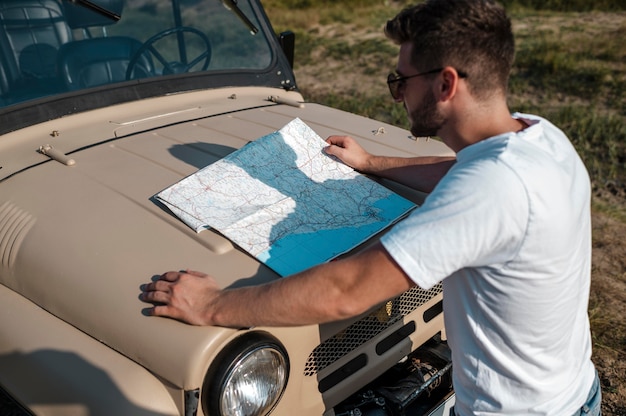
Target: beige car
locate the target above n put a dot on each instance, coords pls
(104, 104)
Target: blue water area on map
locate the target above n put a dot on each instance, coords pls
(298, 252)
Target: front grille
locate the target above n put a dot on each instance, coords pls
(367, 328)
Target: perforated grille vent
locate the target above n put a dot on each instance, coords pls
(14, 224)
(367, 328)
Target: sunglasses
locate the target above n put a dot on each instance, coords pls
(396, 82)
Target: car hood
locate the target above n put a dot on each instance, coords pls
(80, 235)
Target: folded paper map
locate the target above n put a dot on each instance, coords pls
(286, 202)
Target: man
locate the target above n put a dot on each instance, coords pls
(506, 227)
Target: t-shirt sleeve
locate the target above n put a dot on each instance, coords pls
(475, 217)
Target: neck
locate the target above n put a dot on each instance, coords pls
(475, 124)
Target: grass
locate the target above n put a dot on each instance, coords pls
(587, 64)
(566, 5)
(574, 74)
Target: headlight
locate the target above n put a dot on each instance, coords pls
(247, 378)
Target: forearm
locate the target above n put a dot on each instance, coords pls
(306, 298)
(421, 173)
(329, 292)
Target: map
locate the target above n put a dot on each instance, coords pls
(282, 199)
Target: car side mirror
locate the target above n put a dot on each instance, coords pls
(287, 42)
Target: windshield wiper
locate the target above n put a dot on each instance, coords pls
(98, 9)
(232, 5)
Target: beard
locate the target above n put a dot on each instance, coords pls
(426, 120)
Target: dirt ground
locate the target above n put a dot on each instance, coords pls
(607, 307)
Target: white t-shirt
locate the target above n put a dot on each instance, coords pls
(508, 230)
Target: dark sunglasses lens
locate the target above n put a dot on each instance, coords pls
(393, 89)
(394, 85)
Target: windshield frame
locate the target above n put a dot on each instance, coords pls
(278, 74)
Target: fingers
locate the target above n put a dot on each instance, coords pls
(334, 151)
(339, 140)
(338, 146)
(182, 295)
(174, 276)
(346, 149)
(165, 310)
(159, 291)
(160, 294)
(195, 273)
(165, 281)
(170, 276)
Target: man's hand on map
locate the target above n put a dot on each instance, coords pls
(346, 149)
(184, 295)
(421, 173)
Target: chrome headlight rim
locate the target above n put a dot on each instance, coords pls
(227, 362)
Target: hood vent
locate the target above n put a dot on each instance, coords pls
(14, 225)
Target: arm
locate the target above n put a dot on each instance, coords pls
(421, 172)
(328, 292)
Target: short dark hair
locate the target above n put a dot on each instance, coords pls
(473, 36)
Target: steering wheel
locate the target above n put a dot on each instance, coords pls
(174, 67)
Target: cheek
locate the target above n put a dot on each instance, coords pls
(408, 100)
(411, 104)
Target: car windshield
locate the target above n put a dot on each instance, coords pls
(123, 49)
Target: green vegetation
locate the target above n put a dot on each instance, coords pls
(566, 5)
(570, 67)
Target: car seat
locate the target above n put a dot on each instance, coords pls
(95, 61)
(31, 31)
(98, 61)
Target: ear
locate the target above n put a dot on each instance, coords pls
(449, 82)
